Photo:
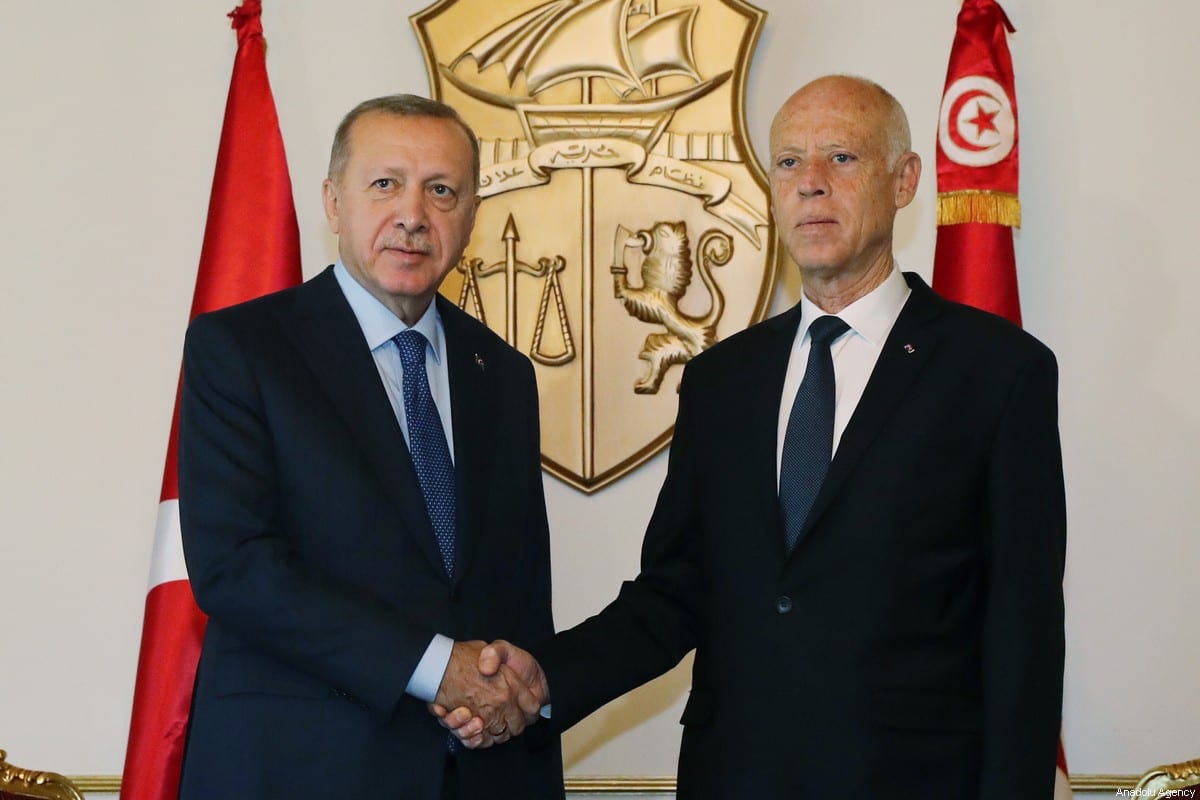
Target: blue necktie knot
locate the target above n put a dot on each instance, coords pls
(824, 330)
(412, 344)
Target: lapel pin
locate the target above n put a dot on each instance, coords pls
(908, 348)
(479, 362)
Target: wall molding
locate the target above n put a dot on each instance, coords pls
(1104, 783)
(102, 784)
(599, 784)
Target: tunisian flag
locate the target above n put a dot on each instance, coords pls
(251, 247)
(977, 168)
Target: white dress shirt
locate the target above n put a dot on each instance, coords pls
(379, 325)
(854, 353)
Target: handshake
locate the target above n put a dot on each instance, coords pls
(489, 693)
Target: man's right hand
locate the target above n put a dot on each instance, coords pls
(500, 692)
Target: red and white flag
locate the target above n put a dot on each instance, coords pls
(977, 171)
(977, 167)
(251, 247)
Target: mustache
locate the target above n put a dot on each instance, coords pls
(418, 243)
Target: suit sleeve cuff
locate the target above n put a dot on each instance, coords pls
(427, 677)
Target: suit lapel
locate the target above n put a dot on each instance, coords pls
(472, 393)
(326, 331)
(908, 348)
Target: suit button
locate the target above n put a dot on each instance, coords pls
(783, 604)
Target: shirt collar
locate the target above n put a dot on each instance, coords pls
(379, 324)
(870, 316)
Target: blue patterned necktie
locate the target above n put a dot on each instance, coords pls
(808, 445)
(427, 443)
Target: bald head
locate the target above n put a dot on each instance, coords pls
(841, 167)
(873, 104)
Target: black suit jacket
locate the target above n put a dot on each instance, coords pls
(912, 644)
(308, 545)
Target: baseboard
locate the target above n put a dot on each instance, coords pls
(111, 784)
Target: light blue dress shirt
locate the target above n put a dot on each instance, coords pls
(379, 325)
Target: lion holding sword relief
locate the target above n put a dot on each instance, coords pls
(666, 273)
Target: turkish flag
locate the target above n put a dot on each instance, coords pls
(251, 247)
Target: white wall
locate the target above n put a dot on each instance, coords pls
(111, 113)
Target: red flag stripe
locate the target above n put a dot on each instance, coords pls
(251, 247)
(974, 263)
(171, 636)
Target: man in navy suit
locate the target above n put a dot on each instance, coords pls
(900, 636)
(349, 583)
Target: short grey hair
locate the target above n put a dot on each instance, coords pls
(397, 105)
(899, 138)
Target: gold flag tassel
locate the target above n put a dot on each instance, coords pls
(979, 205)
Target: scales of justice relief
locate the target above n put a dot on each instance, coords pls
(615, 168)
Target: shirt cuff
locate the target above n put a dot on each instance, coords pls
(427, 677)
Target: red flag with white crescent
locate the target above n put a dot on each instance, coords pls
(977, 166)
(251, 247)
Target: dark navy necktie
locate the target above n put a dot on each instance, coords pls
(808, 444)
(427, 443)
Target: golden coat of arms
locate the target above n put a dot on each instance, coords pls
(615, 171)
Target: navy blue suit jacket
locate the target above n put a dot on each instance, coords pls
(308, 545)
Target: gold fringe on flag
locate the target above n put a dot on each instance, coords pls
(979, 205)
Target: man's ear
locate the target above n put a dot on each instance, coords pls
(908, 175)
(329, 200)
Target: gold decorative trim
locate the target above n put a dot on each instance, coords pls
(100, 784)
(111, 784)
(613, 785)
(1103, 783)
(1170, 779)
(978, 205)
(18, 782)
(609, 785)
